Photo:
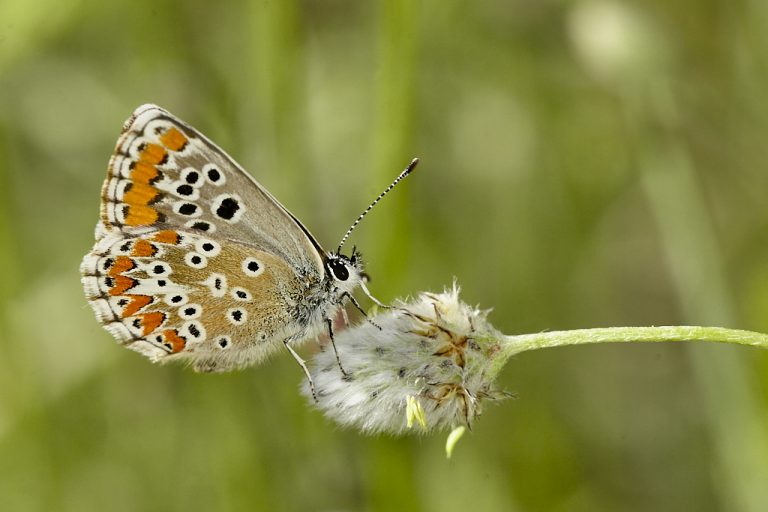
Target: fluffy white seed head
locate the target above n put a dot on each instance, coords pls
(431, 363)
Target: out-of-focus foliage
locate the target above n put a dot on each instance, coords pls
(584, 163)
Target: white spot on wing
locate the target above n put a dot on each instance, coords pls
(195, 260)
(214, 174)
(237, 316)
(187, 176)
(241, 294)
(157, 268)
(217, 284)
(187, 209)
(176, 299)
(210, 248)
(173, 188)
(252, 267)
(159, 286)
(231, 215)
(223, 342)
(211, 227)
(193, 331)
(190, 311)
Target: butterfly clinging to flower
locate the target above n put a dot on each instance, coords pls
(195, 261)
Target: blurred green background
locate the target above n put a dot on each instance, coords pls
(584, 163)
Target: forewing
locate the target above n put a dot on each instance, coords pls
(164, 174)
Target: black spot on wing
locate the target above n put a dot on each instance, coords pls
(228, 208)
(185, 190)
(201, 226)
(188, 209)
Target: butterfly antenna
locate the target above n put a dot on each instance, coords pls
(402, 175)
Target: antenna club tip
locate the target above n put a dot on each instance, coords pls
(413, 164)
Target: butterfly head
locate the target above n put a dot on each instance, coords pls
(345, 272)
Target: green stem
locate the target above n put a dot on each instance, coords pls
(523, 342)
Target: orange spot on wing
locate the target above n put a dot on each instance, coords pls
(151, 321)
(137, 302)
(144, 173)
(141, 194)
(143, 248)
(173, 139)
(153, 154)
(141, 215)
(167, 237)
(172, 338)
(121, 284)
(121, 264)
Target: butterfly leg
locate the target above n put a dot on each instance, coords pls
(303, 365)
(329, 322)
(361, 310)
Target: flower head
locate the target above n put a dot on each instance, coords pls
(429, 362)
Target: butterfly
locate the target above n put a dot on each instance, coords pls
(195, 261)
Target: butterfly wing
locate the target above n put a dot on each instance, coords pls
(165, 174)
(194, 260)
(179, 295)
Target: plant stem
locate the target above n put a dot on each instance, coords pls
(523, 342)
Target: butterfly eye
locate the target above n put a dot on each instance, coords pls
(339, 269)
